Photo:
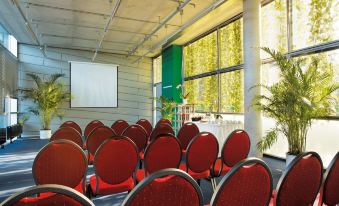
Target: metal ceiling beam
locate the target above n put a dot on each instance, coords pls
(163, 23)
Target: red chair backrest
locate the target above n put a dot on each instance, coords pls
(116, 160)
(119, 126)
(300, 183)
(146, 125)
(90, 126)
(162, 128)
(73, 125)
(248, 183)
(202, 152)
(97, 137)
(68, 133)
(186, 133)
(60, 162)
(236, 148)
(331, 183)
(167, 187)
(162, 153)
(138, 135)
(161, 121)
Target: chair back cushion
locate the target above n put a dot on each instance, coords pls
(119, 126)
(73, 125)
(138, 135)
(300, 183)
(67, 133)
(90, 126)
(167, 187)
(236, 148)
(331, 184)
(164, 152)
(202, 152)
(146, 125)
(162, 128)
(97, 137)
(116, 160)
(166, 121)
(186, 133)
(247, 183)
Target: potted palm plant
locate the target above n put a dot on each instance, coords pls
(166, 107)
(48, 95)
(304, 92)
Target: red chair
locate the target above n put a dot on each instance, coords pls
(167, 187)
(329, 193)
(248, 183)
(68, 133)
(200, 156)
(146, 125)
(186, 133)
(163, 152)
(48, 195)
(90, 126)
(72, 124)
(115, 165)
(96, 138)
(61, 162)
(161, 121)
(161, 129)
(301, 181)
(119, 126)
(138, 135)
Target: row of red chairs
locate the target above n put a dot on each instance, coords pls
(248, 183)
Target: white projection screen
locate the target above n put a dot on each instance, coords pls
(94, 85)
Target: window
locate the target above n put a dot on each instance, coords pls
(8, 41)
(157, 70)
(232, 92)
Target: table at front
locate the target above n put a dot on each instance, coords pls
(220, 130)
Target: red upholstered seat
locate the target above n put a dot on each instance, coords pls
(138, 135)
(195, 175)
(300, 183)
(92, 125)
(167, 187)
(68, 133)
(119, 126)
(248, 183)
(146, 125)
(106, 189)
(72, 124)
(162, 128)
(61, 162)
(163, 121)
(218, 165)
(186, 133)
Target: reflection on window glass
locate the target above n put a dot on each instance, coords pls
(157, 69)
(232, 92)
(314, 22)
(201, 56)
(203, 93)
(230, 38)
(274, 26)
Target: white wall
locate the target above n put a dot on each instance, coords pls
(134, 85)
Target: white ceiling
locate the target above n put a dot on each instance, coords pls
(80, 24)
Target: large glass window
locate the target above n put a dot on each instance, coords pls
(232, 92)
(157, 69)
(8, 41)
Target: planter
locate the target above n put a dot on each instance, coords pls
(289, 159)
(45, 134)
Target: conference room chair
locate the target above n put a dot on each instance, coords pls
(248, 183)
(68, 133)
(161, 121)
(162, 153)
(48, 195)
(119, 126)
(72, 124)
(138, 135)
(166, 187)
(162, 128)
(200, 156)
(96, 138)
(186, 133)
(300, 182)
(90, 126)
(115, 165)
(146, 125)
(236, 148)
(61, 162)
(329, 193)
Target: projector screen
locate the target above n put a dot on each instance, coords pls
(94, 85)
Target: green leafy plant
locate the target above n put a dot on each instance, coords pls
(302, 94)
(23, 118)
(166, 107)
(48, 95)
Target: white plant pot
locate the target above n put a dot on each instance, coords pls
(45, 134)
(289, 159)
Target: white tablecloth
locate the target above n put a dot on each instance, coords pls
(220, 130)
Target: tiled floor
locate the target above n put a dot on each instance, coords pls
(17, 158)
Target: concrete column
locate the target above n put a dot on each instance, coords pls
(251, 44)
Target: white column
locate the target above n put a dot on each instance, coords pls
(252, 118)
